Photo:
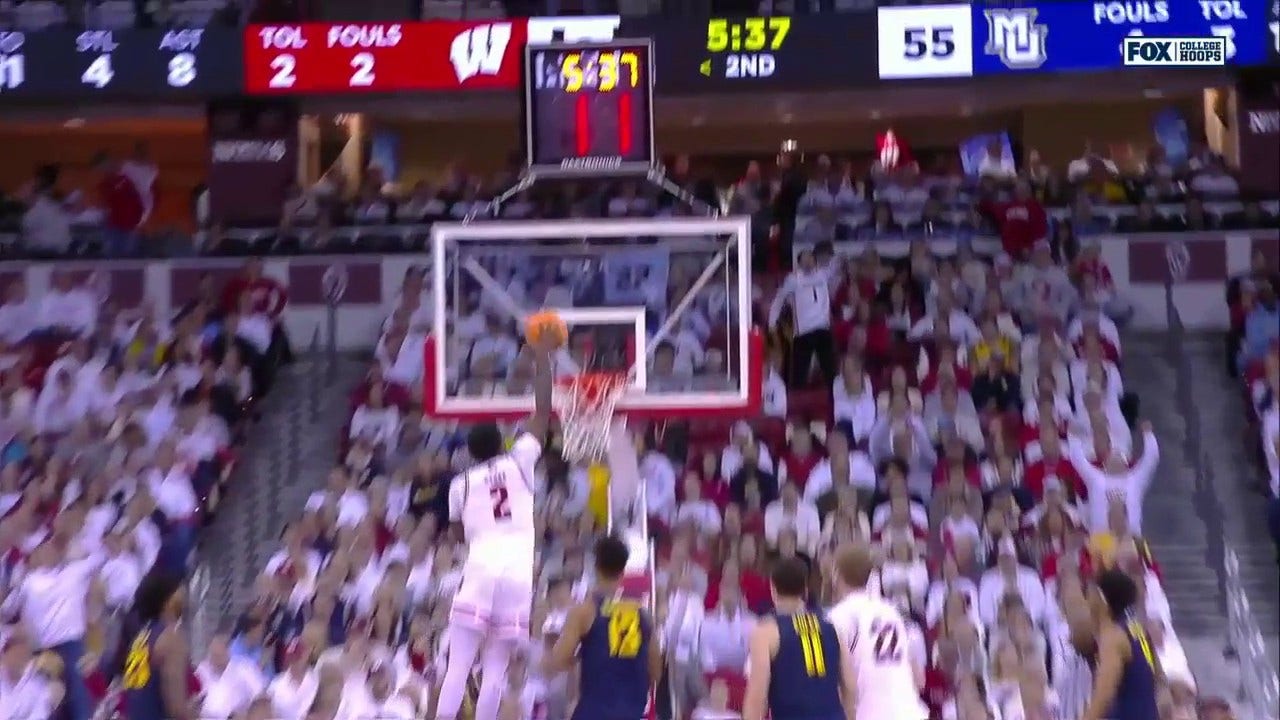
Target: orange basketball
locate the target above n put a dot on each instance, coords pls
(546, 322)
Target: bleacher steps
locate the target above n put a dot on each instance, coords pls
(288, 455)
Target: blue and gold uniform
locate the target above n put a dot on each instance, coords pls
(1136, 696)
(141, 678)
(804, 680)
(614, 657)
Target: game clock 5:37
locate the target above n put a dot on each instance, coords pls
(589, 107)
(805, 53)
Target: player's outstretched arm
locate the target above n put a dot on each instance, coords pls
(544, 348)
(1083, 630)
(565, 650)
(764, 638)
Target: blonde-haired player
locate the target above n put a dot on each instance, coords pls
(877, 638)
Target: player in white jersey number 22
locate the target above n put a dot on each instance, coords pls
(493, 500)
(877, 639)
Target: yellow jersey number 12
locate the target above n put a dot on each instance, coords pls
(137, 664)
(625, 635)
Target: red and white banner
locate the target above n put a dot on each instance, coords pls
(439, 55)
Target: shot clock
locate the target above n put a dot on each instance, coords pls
(589, 107)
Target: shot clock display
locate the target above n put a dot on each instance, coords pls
(589, 107)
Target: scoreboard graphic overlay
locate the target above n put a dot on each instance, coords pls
(589, 107)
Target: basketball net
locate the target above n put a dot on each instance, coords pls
(586, 404)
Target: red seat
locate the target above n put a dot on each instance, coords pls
(771, 430)
(636, 587)
(710, 430)
(811, 404)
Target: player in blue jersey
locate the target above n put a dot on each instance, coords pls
(156, 662)
(798, 668)
(614, 641)
(1127, 673)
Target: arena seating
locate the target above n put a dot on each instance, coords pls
(1253, 354)
(119, 433)
(988, 497)
(32, 15)
(984, 495)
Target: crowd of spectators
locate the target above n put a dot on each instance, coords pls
(964, 416)
(119, 14)
(1253, 355)
(828, 200)
(118, 434)
(34, 15)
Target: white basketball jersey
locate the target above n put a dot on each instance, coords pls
(494, 500)
(878, 643)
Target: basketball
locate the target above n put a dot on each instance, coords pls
(545, 323)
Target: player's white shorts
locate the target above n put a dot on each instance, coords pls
(496, 593)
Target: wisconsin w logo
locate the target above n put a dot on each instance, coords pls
(1014, 37)
(480, 50)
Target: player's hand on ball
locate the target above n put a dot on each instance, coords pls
(544, 343)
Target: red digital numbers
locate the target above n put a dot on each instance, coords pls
(589, 106)
(302, 58)
(582, 129)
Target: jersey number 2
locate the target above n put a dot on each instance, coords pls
(810, 633)
(501, 503)
(498, 496)
(624, 631)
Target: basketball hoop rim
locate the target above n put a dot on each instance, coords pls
(749, 405)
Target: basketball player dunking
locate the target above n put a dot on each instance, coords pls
(493, 500)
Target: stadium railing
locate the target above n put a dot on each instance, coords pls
(1260, 685)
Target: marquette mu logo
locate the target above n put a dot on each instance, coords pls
(1014, 36)
(479, 50)
(1175, 52)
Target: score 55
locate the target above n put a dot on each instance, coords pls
(925, 42)
(938, 41)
